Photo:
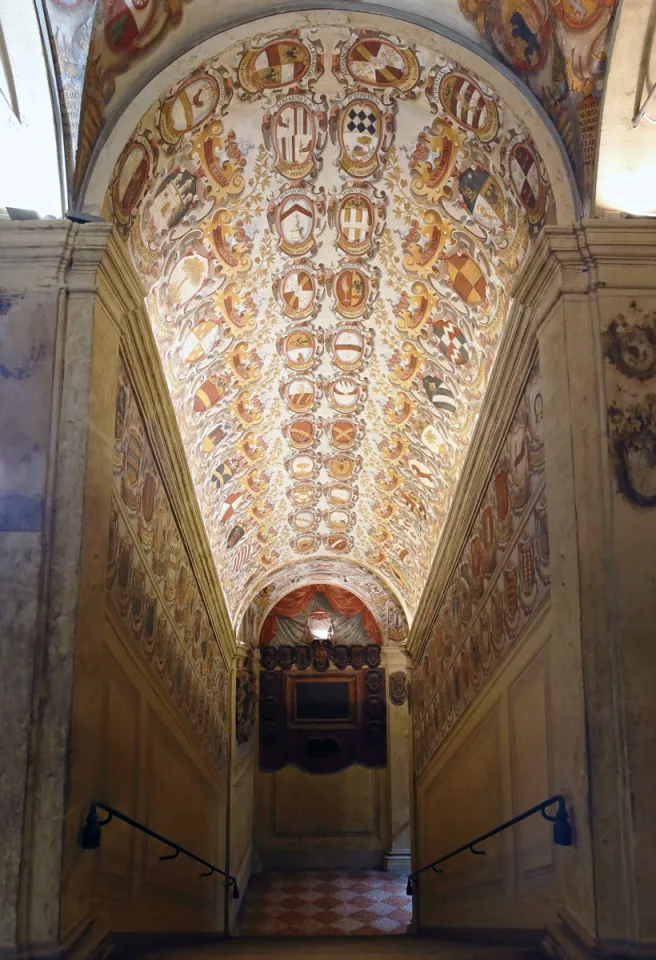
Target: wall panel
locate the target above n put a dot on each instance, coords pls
(495, 764)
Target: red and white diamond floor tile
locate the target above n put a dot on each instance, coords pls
(323, 903)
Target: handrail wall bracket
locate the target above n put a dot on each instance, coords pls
(561, 833)
(91, 834)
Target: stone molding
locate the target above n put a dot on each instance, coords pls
(590, 256)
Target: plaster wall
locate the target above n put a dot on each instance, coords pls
(313, 821)
(496, 763)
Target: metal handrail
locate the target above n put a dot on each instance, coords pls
(562, 834)
(90, 840)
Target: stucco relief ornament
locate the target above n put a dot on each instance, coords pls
(297, 218)
(632, 436)
(380, 62)
(299, 289)
(295, 131)
(466, 101)
(349, 346)
(278, 61)
(203, 96)
(631, 346)
(353, 288)
(363, 127)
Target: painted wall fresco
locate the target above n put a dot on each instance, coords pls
(153, 589)
(70, 23)
(245, 703)
(630, 350)
(559, 49)
(327, 235)
(501, 580)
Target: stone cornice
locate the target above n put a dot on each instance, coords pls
(573, 261)
(34, 255)
(120, 293)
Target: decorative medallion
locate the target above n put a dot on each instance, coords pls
(440, 395)
(357, 214)
(339, 520)
(631, 347)
(200, 341)
(137, 164)
(343, 467)
(632, 438)
(301, 348)
(347, 395)
(521, 32)
(364, 128)
(301, 394)
(296, 132)
(303, 433)
(305, 543)
(380, 62)
(298, 289)
(340, 494)
(303, 466)
(466, 278)
(526, 178)
(305, 494)
(482, 195)
(297, 219)
(451, 341)
(338, 543)
(170, 204)
(276, 62)
(345, 434)
(204, 95)
(305, 520)
(398, 688)
(464, 100)
(349, 346)
(354, 289)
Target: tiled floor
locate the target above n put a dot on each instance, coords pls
(325, 903)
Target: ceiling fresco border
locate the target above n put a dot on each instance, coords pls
(451, 244)
(196, 49)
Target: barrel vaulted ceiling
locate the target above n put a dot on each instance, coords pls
(327, 222)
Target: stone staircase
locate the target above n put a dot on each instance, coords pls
(346, 948)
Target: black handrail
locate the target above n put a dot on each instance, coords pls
(562, 834)
(90, 840)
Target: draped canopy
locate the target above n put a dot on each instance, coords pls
(289, 614)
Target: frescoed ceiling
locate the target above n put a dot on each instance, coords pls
(327, 222)
(559, 49)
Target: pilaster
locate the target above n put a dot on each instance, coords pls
(398, 856)
(590, 292)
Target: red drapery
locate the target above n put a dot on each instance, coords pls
(342, 601)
